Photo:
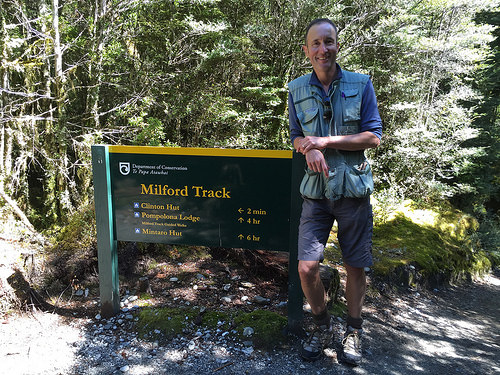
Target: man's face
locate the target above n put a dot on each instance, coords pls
(322, 47)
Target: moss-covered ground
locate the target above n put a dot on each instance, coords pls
(413, 245)
(161, 323)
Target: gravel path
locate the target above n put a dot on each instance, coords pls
(452, 331)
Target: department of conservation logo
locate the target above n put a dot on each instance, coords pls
(124, 167)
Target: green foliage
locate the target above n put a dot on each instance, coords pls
(80, 233)
(73, 250)
(151, 131)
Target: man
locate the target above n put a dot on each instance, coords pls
(333, 119)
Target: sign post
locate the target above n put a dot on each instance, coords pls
(195, 196)
(106, 241)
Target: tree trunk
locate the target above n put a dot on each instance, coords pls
(95, 65)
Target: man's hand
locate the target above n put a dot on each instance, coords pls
(309, 143)
(316, 161)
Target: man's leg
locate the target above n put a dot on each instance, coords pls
(355, 295)
(355, 291)
(312, 285)
(313, 289)
(315, 224)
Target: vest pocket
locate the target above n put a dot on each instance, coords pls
(359, 181)
(349, 181)
(352, 105)
(307, 120)
(312, 185)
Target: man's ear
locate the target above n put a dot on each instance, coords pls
(304, 48)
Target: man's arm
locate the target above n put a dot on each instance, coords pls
(353, 142)
(314, 158)
(311, 147)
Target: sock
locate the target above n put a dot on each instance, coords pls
(355, 323)
(323, 319)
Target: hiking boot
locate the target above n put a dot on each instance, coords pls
(351, 346)
(318, 339)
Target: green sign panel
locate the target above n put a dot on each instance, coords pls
(211, 197)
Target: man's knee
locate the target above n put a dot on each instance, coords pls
(308, 270)
(354, 272)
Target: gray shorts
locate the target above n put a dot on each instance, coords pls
(355, 227)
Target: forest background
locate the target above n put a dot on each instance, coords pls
(214, 73)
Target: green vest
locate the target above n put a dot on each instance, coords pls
(349, 176)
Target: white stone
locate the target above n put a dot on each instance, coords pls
(248, 350)
(248, 331)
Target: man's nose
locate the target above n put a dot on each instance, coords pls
(323, 47)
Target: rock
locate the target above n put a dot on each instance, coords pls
(24, 292)
(248, 331)
(144, 285)
(331, 281)
(249, 350)
(261, 300)
(244, 298)
(226, 299)
(79, 293)
(98, 317)
(174, 279)
(125, 368)
(247, 284)
(226, 287)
